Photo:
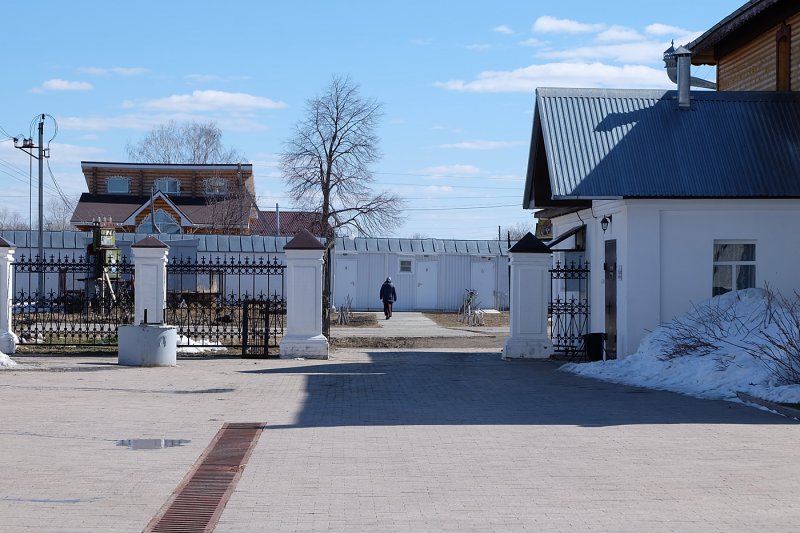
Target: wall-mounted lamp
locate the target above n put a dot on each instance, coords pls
(605, 222)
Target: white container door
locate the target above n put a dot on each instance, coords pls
(344, 284)
(484, 281)
(427, 285)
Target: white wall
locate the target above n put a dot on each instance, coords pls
(454, 275)
(664, 254)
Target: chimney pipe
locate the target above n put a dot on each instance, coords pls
(277, 220)
(684, 77)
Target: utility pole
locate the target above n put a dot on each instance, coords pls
(27, 146)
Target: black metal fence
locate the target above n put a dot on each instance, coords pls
(230, 302)
(568, 310)
(69, 300)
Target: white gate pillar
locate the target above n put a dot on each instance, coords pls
(303, 337)
(8, 340)
(150, 268)
(148, 342)
(528, 338)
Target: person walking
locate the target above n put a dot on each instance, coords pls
(389, 297)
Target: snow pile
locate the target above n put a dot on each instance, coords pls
(706, 353)
(6, 361)
(187, 345)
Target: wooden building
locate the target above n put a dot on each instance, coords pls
(755, 48)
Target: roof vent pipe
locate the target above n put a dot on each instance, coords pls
(671, 63)
(684, 65)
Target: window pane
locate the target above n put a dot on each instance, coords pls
(117, 185)
(745, 277)
(723, 280)
(734, 252)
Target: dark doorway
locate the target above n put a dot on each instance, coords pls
(610, 268)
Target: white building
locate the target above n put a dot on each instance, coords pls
(695, 202)
(428, 274)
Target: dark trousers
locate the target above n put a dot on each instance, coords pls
(387, 308)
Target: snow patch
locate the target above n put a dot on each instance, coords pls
(720, 372)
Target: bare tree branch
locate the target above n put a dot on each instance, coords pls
(194, 143)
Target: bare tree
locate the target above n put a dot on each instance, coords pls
(58, 214)
(186, 142)
(326, 165)
(518, 230)
(12, 220)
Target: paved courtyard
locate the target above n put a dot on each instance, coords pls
(390, 441)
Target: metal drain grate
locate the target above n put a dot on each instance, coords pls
(198, 501)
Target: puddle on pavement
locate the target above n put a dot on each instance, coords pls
(151, 444)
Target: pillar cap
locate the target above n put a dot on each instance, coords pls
(529, 244)
(149, 242)
(6, 244)
(304, 240)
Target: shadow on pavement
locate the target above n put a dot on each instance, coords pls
(436, 388)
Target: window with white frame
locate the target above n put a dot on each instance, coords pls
(734, 266)
(168, 185)
(118, 185)
(406, 265)
(215, 187)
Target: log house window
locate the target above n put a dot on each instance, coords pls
(118, 185)
(168, 185)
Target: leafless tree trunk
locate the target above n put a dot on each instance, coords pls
(326, 165)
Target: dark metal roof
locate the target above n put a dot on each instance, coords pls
(594, 144)
(423, 246)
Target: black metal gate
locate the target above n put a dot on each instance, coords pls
(221, 302)
(568, 311)
(262, 324)
(70, 301)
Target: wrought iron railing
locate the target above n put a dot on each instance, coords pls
(569, 305)
(68, 300)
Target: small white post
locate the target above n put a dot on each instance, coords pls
(528, 338)
(8, 340)
(148, 342)
(303, 336)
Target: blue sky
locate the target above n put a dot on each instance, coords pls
(456, 79)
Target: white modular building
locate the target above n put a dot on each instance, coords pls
(428, 274)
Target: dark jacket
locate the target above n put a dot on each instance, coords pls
(388, 293)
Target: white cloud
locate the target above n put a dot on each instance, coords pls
(421, 42)
(619, 34)
(532, 42)
(647, 52)
(527, 79)
(505, 30)
(57, 84)
(481, 145)
(664, 29)
(208, 101)
(119, 71)
(443, 171)
(478, 47)
(548, 24)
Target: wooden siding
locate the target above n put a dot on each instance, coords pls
(141, 181)
(753, 67)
